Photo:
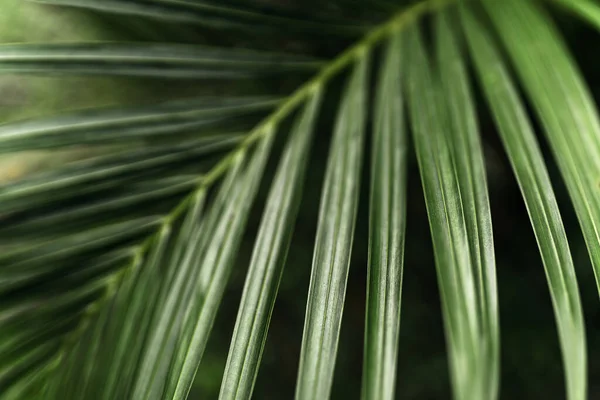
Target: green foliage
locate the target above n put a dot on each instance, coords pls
(115, 266)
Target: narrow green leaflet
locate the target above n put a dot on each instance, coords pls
(333, 245)
(106, 172)
(471, 176)
(214, 270)
(457, 273)
(588, 10)
(21, 263)
(27, 364)
(117, 334)
(177, 293)
(266, 266)
(217, 14)
(563, 103)
(140, 357)
(148, 60)
(528, 164)
(191, 290)
(387, 231)
(135, 126)
(57, 310)
(74, 218)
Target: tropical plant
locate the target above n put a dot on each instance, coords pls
(114, 267)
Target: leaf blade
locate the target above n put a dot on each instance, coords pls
(563, 104)
(467, 154)
(528, 165)
(172, 61)
(442, 183)
(387, 231)
(266, 267)
(333, 243)
(209, 13)
(215, 268)
(139, 125)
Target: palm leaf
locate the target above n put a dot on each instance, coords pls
(114, 267)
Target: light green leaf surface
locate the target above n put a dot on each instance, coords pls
(387, 230)
(469, 164)
(588, 10)
(457, 243)
(266, 266)
(528, 164)
(563, 103)
(214, 270)
(147, 60)
(333, 244)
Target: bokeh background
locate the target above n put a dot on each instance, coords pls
(531, 360)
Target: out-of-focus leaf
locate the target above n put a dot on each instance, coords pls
(136, 126)
(217, 14)
(148, 60)
(588, 10)
(110, 171)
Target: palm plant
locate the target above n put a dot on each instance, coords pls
(114, 267)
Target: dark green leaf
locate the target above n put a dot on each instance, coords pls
(136, 126)
(467, 153)
(214, 13)
(147, 60)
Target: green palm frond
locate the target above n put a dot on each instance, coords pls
(114, 267)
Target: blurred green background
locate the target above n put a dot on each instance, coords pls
(531, 361)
